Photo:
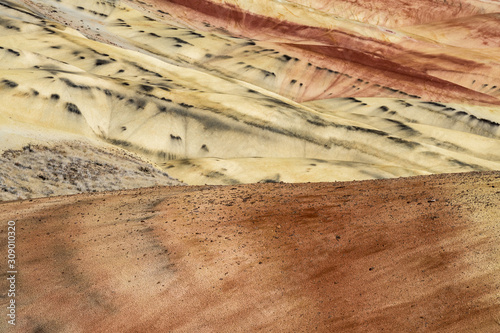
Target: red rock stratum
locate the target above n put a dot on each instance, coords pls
(399, 255)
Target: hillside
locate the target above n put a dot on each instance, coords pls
(398, 255)
(229, 92)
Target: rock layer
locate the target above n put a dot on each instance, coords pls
(183, 86)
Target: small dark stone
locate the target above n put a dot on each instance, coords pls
(73, 108)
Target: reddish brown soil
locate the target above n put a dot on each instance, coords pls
(400, 255)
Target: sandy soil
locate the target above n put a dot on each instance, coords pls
(399, 255)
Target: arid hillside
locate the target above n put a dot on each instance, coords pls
(231, 92)
(409, 254)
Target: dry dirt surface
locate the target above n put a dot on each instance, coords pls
(400, 255)
(73, 167)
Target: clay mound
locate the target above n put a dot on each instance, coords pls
(217, 171)
(183, 98)
(309, 54)
(287, 49)
(402, 255)
(256, 91)
(229, 92)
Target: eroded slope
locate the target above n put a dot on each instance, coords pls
(171, 95)
(249, 93)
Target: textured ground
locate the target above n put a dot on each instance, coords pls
(399, 255)
(70, 168)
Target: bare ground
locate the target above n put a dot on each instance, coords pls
(398, 255)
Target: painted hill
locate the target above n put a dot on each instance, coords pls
(238, 92)
(104, 96)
